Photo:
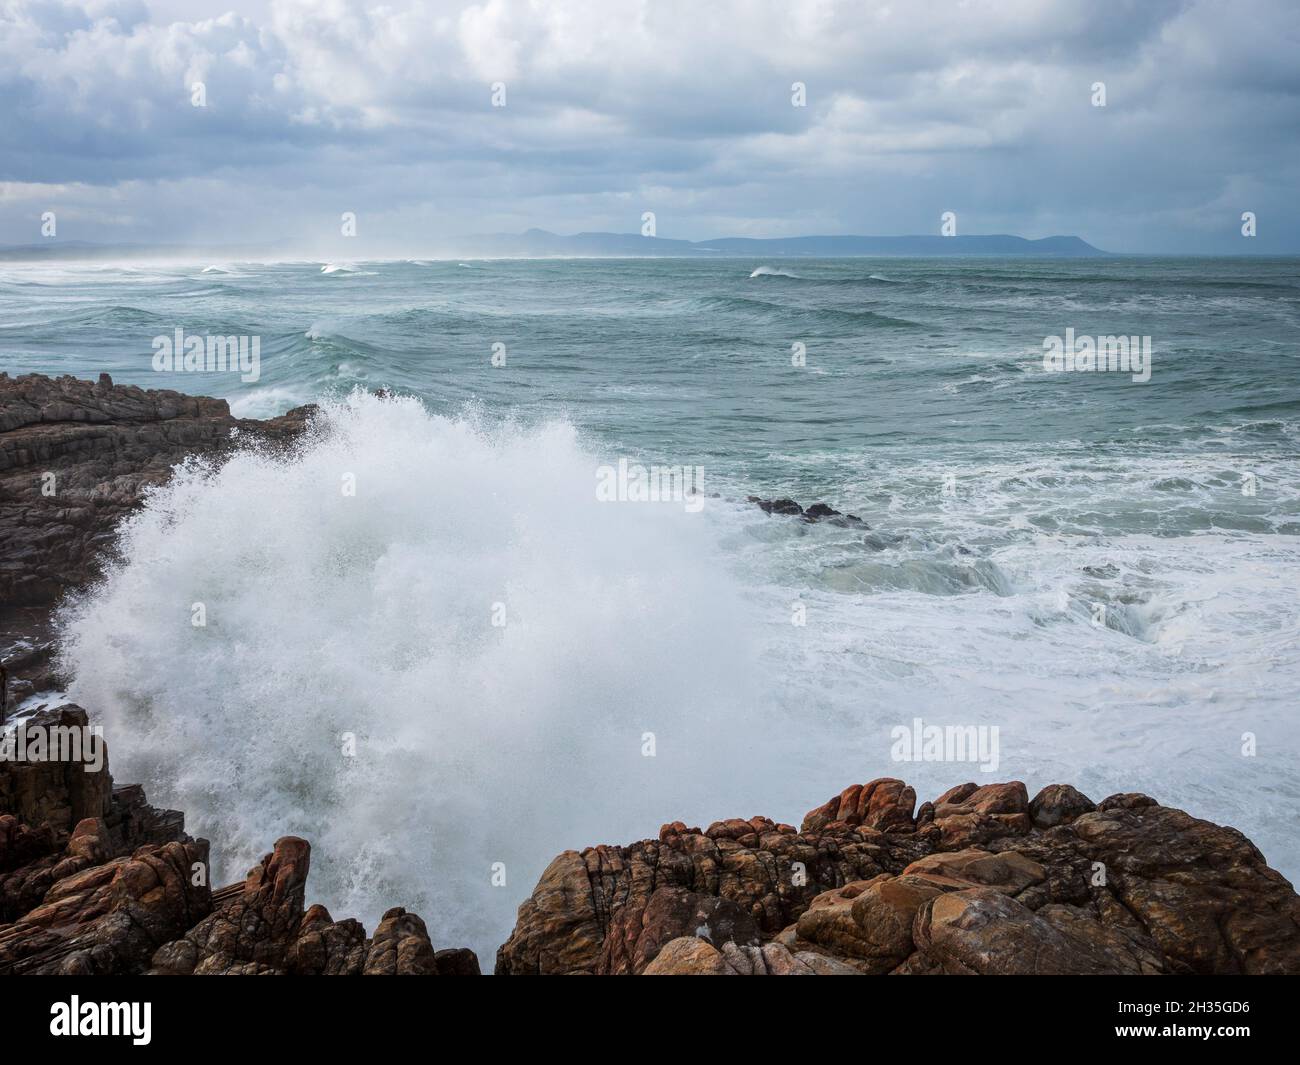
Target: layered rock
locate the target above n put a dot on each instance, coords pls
(93, 880)
(76, 456)
(980, 881)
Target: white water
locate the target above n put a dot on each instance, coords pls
(328, 614)
(372, 615)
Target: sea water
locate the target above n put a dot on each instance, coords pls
(431, 649)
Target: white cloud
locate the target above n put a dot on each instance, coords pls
(978, 103)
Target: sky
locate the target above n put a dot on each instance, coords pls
(912, 108)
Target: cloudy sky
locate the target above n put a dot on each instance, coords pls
(615, 107)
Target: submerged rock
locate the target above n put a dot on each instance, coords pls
(815, 513)
(980, 881)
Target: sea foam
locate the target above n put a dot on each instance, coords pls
(336, 623)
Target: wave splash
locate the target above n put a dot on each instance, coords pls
(349, 684)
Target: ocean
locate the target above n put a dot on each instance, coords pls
(433, 651)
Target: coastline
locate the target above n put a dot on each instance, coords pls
(982, 879)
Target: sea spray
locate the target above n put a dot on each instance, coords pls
(429, 650)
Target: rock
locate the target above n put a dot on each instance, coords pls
(980, 882)
(326, 948)
(883, 804)
(691, 956)
(76, 456)
(1058, 803)
(815, 513)
(638, 934)
(401, 947)
(457, 961)
(968, 814)
(110, 918)
(59, 791)
(979, 931)
(257, 927)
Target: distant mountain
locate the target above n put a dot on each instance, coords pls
(540, 243)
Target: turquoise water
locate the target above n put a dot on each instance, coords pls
(1103, 569)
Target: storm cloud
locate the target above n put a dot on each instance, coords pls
(318, 107)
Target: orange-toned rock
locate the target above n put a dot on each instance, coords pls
(974, 885)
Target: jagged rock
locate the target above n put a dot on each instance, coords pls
(257, 928)
(401, 947)
(123, 889)
(103, 444)
(638, 934)
(327, 948)
(110, 918)
(45, 790)
(883, 804)
(974, 884)
(816, 512)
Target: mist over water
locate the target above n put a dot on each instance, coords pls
(495, 642)
(1006, 505)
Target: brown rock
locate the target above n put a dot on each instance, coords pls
(638, 934)
(104, 444)
(401, 947)
(974, 885)
(885, 805)
(1057, 804)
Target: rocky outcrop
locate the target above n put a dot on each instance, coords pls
(93, 881)
(76, 456)
(814, 513)
(980, 881)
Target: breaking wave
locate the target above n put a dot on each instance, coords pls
(366, 620)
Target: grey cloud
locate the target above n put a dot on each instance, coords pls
(684, 109)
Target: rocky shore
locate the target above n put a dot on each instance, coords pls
(94, 881)
(75, 458)
(981, 880)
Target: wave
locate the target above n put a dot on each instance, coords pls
(773, 271)
(346, 269)
(368, 621)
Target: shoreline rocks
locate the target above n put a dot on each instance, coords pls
(94, 881)
(76, 457)
(812, 514)
(983, 880)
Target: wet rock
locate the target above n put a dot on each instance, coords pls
(815, 513)
(110, 918)
(981, 882)
(401, 947)
(76, 456)
(637, 935)
(883, 804)
(324, 947)
(1057, 804)
(257, 927)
